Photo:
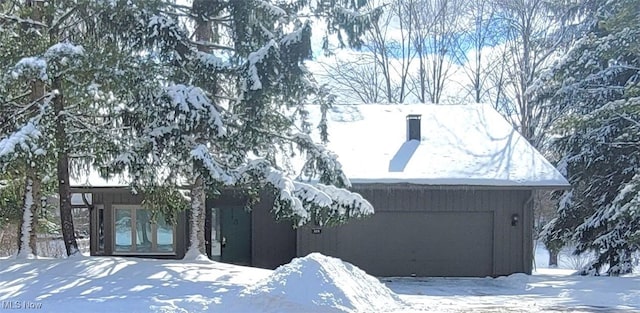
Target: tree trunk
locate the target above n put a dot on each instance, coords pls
(66, 216)
(553, 258)
(31, 199)
(197, 248)
(27, 238)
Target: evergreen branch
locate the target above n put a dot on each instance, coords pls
(18, 20)
(55, 25)
(24, 109)
(202, 44)
(628, 119)
(16, 98)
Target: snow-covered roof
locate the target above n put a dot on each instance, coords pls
(460, 145)
(93, 179)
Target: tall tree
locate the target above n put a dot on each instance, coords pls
(471, 50)
(599, 81)
(227, 107)
(20, 150)
(435, 27)
(389, 41)
(533, 36)
(70, 120)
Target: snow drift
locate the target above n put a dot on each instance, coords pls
(323, 283)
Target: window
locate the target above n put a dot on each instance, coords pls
(97, 235)
(135, 231)
(216, 237)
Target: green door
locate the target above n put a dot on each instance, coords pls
(235, 228)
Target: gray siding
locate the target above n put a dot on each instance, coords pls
(272, 243)
(431, 231)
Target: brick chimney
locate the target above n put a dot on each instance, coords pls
(413, 127)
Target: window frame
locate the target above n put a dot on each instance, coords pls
(134, 242)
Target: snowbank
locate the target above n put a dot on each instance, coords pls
(517, 281)
(312, 284)
(322, 284)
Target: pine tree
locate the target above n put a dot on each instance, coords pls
(228, 108)
(21, 147)
(82, 54)
(599, 81)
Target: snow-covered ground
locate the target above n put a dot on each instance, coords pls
(311, 284)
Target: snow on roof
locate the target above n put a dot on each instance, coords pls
(93, 179)
(459, 145)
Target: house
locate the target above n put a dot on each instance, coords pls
(452, 186)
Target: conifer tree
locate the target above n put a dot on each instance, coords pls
(76, 54)
(599, 143)
(229, 108)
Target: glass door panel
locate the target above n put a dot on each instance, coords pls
(123, 230)
(164, 235)
(144, 235)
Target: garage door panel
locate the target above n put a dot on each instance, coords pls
(425, 244)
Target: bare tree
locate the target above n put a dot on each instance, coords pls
(355, 78)
(532, 37)
(477, 66)
(390, 41)
(378, 42)
(435, 28)
(380, 71)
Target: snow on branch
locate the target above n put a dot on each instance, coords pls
(29, 68)
(272, 9)
(321, 163)
(166, 33)
(194, 103)
(19, 20)
(297, 35)
(305, 202)
(63, 55)
(63, 49)
(256, 58)
(627, 200)
(210, 60)
(214, 169)
(23, 139)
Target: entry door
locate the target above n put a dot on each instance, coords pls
(235, 229)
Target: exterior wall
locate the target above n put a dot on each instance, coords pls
(272, 243)
(409, 225)
(110, 197)
(404, 237)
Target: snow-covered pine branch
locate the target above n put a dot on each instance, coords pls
(24, 140)
(216, 171)
(195, 109)
(321, 163)
(30, 67)
(303, 202)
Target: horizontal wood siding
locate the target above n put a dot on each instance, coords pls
(510, 243)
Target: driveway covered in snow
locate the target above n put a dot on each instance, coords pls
(546, 291)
